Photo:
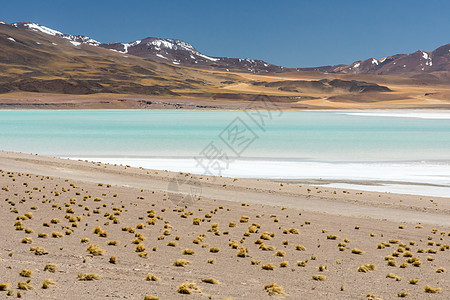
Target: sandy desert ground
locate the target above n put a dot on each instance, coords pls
(103, 231)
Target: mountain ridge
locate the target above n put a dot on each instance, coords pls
(179, 52)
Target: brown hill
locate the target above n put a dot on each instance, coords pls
(34, 61)
(37, 61)
(419, 62)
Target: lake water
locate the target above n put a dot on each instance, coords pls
(381, 146)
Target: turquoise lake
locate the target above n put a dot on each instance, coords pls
(319, 136)
(335, 145)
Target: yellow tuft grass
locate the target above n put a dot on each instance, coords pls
(26, 273)
(402, 294)
(393, 276)
(300, 248)
(25, 285)
(269, 267)
(319, 277)
(47, 283)
(367, 268)
(95, 250)
(181, 263)
(242, 252)
(276, 290)
(429, 289)
(151, 277)
(210, 280)
(88, 276)
(357, 251)
(50, 268)
(188, 288)
(188, 252)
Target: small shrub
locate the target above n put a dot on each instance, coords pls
(269, 267)
(50, 268)
(319, 277)
(4, 287)
(302, 263)
(188, 252)
(242, 252)
(300, 248)
(210, 280)
(181, 263)
(27, 240)
(26, 273)
(188, 288)
(414, 281)
(25, 285)
(140, 248)
(322, 268)
(393, 276)
(403, 294)
(284, 264)
(276, 290)
(113, 259)
(429, 289)
(357, 251)
(255, 262)
(244, 219)
(366, 268)
(56, 234)
(172, 244)
(47, 283)
(151, 277)
(88, 276)
(95, 250)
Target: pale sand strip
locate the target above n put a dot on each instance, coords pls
(373, 205)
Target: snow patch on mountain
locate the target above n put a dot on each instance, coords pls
(52, 32)
(207, 57)
(128, 45)
(177, 45)
(11, 39)
(161, 56)
(75, 43)
(40, 28)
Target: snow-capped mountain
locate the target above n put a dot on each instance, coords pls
(417, 62)
(178, 52)
(172, 51)
(46, 30)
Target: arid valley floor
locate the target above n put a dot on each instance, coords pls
(103, 231)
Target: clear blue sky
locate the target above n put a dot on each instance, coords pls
(287, 33)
